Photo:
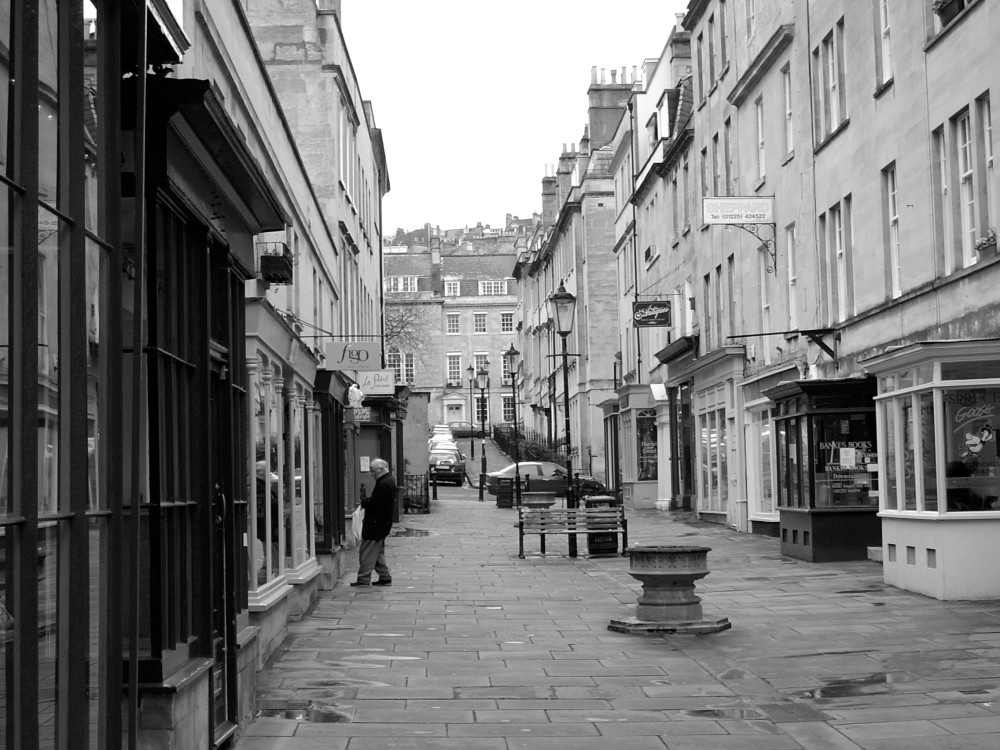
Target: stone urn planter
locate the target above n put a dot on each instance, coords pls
(668, 603)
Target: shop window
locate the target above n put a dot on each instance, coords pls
(970, 444)
(844, 449)
(646, 445)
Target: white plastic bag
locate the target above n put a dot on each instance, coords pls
(357, 520)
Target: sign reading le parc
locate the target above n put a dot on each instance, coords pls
(738, 210)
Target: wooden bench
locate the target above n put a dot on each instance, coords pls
(544, 521)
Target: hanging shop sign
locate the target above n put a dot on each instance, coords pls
(651, 314)
(738, 210)
(358, 356)
(377, 382)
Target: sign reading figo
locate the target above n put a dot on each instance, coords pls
(361, 356)
(738, 210)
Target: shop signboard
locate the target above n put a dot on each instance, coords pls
(377, 382)
(738, 210)
(353, 356)
(651, 314)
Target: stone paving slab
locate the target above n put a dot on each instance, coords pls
(473, 648)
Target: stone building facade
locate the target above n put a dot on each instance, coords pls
(829, 211)
(454, 302)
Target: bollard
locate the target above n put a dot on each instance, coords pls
(434, 486)
(668, 603)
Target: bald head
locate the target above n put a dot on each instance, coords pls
(378, 467)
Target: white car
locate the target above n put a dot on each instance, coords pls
(440, 438)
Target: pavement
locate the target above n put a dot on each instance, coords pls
(472, 648)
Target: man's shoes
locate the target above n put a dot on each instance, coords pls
(360, 583)
(383, 582)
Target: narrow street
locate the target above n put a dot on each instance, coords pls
(473, 648)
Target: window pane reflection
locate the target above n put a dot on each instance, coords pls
(10, 203)
(274, 519)
(928, 450)
(48, 631)
(889, 488)
(766, 480)
(48, 102)
(96, 679)
(97, 357)
(909, 462)
(7, 663)
(51, 232)
(5, 85)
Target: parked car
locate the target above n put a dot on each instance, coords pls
(463, 429)
(544, 476)
(444, 445)
(447, 465)
(440, 437)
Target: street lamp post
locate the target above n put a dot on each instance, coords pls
(472, 412)
(562, 307)
(483, 381)
(511, 355)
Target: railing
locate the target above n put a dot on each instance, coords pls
(531, 445)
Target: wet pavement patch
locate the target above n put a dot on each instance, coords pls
(872, 684)
(786, 713)
(723, 713)
(407, 531)
(311, 714)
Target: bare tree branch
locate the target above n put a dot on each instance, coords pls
(408, 321)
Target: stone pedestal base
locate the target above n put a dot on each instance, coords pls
(668, 603)
(635, 626)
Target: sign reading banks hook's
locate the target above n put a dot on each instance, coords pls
(651, 314)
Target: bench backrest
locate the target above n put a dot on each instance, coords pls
(559, 517)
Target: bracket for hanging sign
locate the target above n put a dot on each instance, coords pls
(753, 214)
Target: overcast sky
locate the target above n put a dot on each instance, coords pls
(476, 98)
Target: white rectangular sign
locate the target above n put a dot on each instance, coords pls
(738, 210)
(377, 383)
(361, 356)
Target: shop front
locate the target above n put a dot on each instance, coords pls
(332, 498)
(938, 407)
(826, 450)
(639, 446)
(612, 457)
(285, 432)
(759, 439)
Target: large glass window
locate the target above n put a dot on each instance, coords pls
(972, 469)
(275, 462)
(844, 448)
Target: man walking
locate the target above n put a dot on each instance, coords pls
(376, 527)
